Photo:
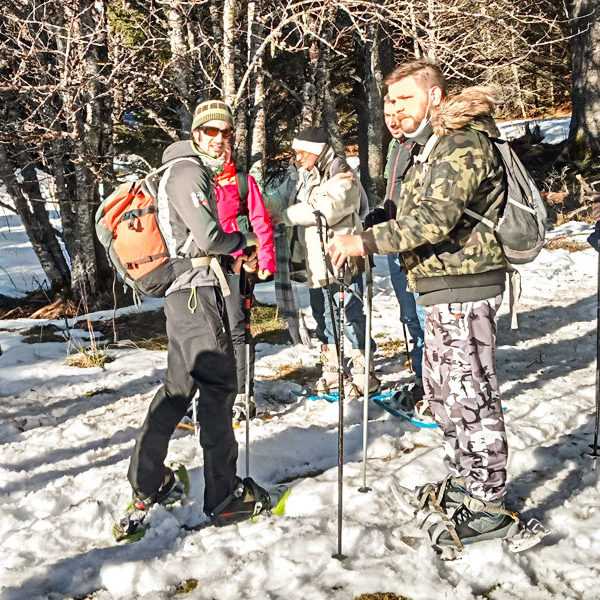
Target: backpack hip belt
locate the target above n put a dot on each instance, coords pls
(217, 269)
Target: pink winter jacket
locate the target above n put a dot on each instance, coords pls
(234, 216)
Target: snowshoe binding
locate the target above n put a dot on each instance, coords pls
(444, 496)
(247, 501)
(132, 526)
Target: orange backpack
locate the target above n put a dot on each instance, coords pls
(128, 226)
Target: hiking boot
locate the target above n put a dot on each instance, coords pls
(247, 500)
(409, 394)
(356, 388)
(475, 520)
(410, 400)
(329, 381)
(239, 408)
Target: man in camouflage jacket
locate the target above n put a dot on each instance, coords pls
(457, 266)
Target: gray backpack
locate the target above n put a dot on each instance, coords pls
(521, 226)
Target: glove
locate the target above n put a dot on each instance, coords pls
(374, 217)
(264, 274)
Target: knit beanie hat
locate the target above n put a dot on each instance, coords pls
(310, 139)
(210, 110)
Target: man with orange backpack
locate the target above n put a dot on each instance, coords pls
(200, 353)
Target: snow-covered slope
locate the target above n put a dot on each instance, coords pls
(66, 436)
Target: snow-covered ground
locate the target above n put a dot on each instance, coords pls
(67, 433)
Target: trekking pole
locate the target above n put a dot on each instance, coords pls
(320, 217)
(247, 287)
(369, 306)
(594, 453)
(338, 555)
(195, 417)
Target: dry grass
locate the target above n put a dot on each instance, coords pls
(299, 373)
(90, 356)
(391, 348)
(56, 310)
(381, 596)
(566, 244)
(267, 327)
(189, 585)
(148, 329)
(145, 329)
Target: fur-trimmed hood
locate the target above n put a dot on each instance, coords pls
(473, 104)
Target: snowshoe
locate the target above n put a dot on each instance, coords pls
(247, 501)
(133, 525)
(411, 401)
(477, 521)
(394, 403)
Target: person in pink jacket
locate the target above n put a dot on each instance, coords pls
(236, 214)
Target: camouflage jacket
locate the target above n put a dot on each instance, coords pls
(447, 255)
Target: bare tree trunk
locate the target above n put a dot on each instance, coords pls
(310, 116)
(518, 89)
(371, 165)
(257, 135)
(181, 62)
(93, 135)
(32, 210)
(413, 26)
(584, 133)
(330, 116)
(431, 29)
(228, 62)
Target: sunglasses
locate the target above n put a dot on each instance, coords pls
(215, 131)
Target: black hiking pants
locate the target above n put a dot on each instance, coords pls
(200, 357)
(240, 287)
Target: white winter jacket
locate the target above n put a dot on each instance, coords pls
(334, 195)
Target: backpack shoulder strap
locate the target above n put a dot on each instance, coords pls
(242, 185)
(148, 178)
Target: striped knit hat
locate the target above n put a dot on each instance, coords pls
(211, 110)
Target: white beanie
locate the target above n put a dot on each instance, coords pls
(310, 139)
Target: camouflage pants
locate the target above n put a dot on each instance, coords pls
(459, 378)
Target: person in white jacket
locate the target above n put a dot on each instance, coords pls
(327, 191)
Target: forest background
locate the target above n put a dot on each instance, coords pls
(85, 82)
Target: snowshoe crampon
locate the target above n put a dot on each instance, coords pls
(530, 534)
(130, 527)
